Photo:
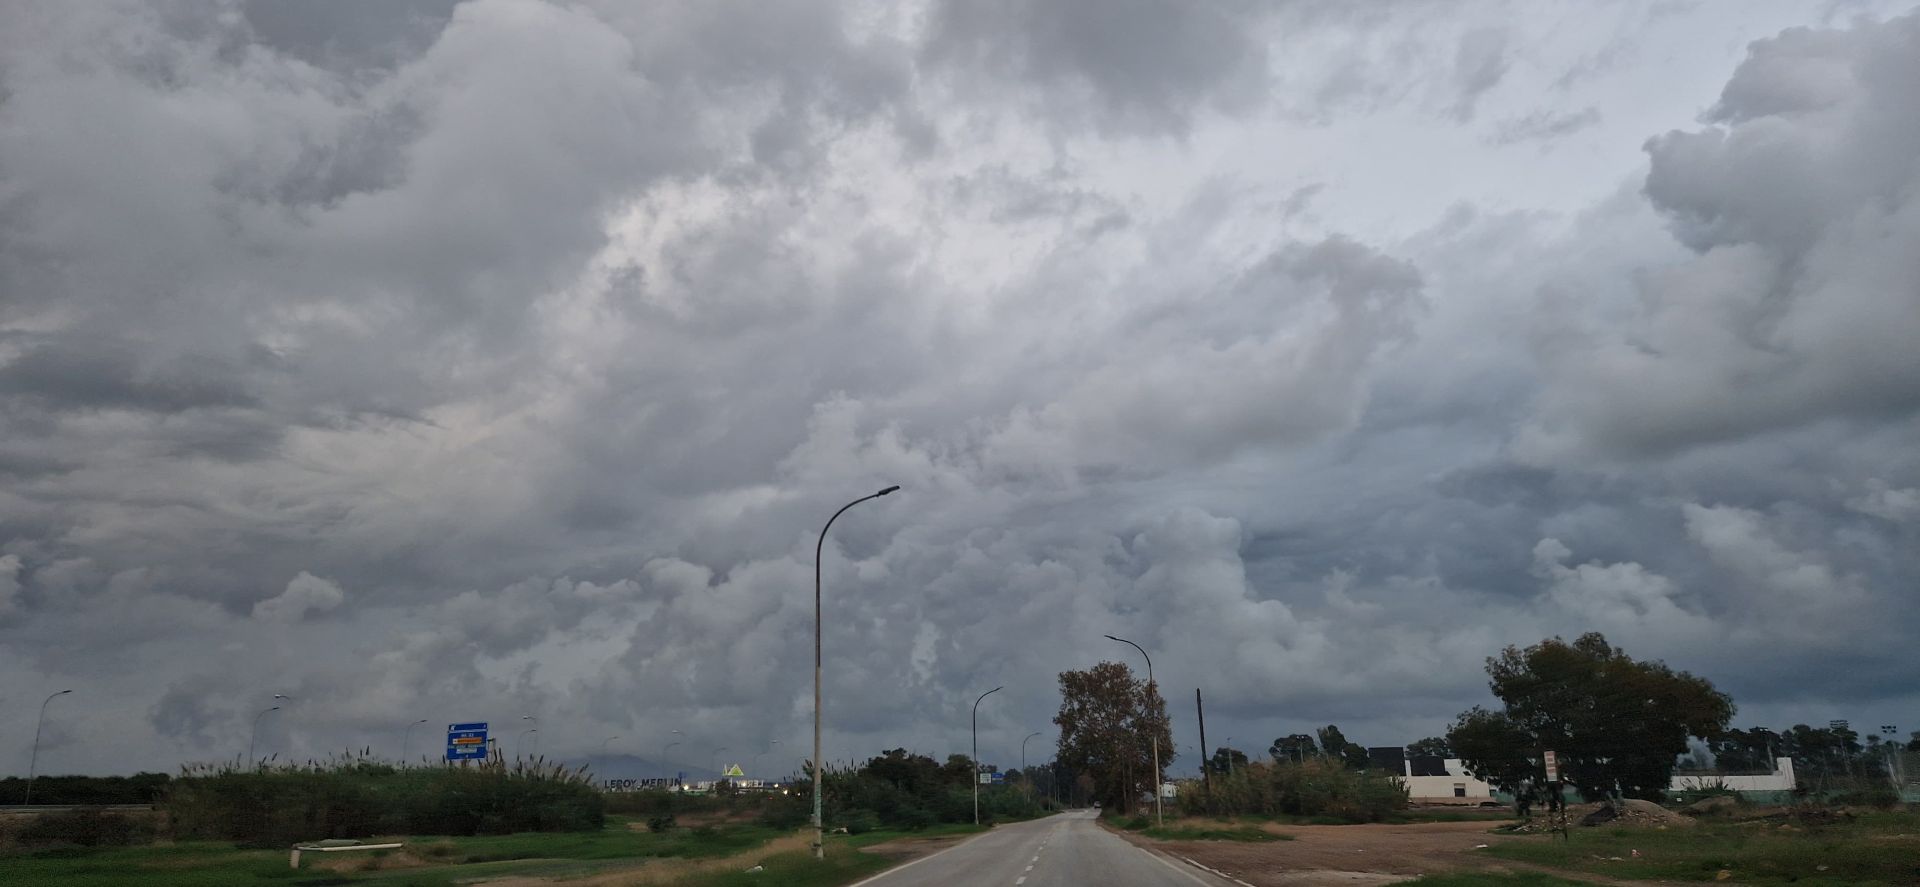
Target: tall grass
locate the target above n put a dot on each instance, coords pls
(354, 796)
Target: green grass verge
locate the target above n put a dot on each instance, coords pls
(451, 859)
(879, 836)
(1875, 849)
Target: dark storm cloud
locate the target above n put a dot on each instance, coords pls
(503, 357)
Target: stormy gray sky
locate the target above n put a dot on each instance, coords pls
(502, 358)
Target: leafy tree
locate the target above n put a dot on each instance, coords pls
(1613, 722)
(1432, 746)
(1294, 747)
(1227, 760)
(1107, 720)
(1913, 744)
(1749, 749)
(1335, 744)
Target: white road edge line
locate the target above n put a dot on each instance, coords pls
(1169, 864)
(922, 859)
(1203, 866)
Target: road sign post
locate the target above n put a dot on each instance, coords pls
(467, 742)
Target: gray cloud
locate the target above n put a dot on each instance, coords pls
(1142, 65)
(534, 341)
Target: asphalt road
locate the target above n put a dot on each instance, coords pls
(1066, 850)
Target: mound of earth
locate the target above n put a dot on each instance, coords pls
(1633, 812)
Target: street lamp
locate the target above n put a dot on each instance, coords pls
(405, 735)
(251, 739)
(1158, 815)
(1023, 758)
(976, 753)
(534, 729)
(819, 830)
(34, 760)
(756, 755)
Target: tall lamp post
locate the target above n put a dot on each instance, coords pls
(756, 755)
(1023, 757)
(1158, 815)
(34, 760)
(819, 830)
(405, 736)
(255, 736)
(521, 746)
(976, 753)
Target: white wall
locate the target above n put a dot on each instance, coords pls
(1780, 780)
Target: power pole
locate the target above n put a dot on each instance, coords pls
(1206, 772)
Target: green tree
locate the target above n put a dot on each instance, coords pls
(1432, 746)
(1227, 760)
(1614, 723)
(1107, 720)
(1293, 747)
(1335, 744)
(1749, 749)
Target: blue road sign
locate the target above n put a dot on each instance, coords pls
(467, 742)
(999, 777)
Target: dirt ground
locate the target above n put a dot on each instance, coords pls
(1349, 855)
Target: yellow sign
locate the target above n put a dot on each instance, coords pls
(734, 770)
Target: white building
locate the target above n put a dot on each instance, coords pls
(1452, 786)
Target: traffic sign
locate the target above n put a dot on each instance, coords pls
(1553, 766)
(998, 777)
(467, 742)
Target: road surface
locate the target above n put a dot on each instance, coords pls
(1066, 850)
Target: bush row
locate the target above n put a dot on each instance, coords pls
(140, 788)
(1311, 788)
(357, 798)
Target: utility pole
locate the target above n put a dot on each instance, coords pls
(1206, 771)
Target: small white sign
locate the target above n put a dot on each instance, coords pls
(1553, 767)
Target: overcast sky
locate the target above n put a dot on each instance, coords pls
(501, 359)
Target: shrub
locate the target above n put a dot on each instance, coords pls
(660, 823)
(861, 822)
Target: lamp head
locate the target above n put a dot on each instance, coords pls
(891, 489)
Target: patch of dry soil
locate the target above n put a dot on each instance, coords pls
(1350, 855)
